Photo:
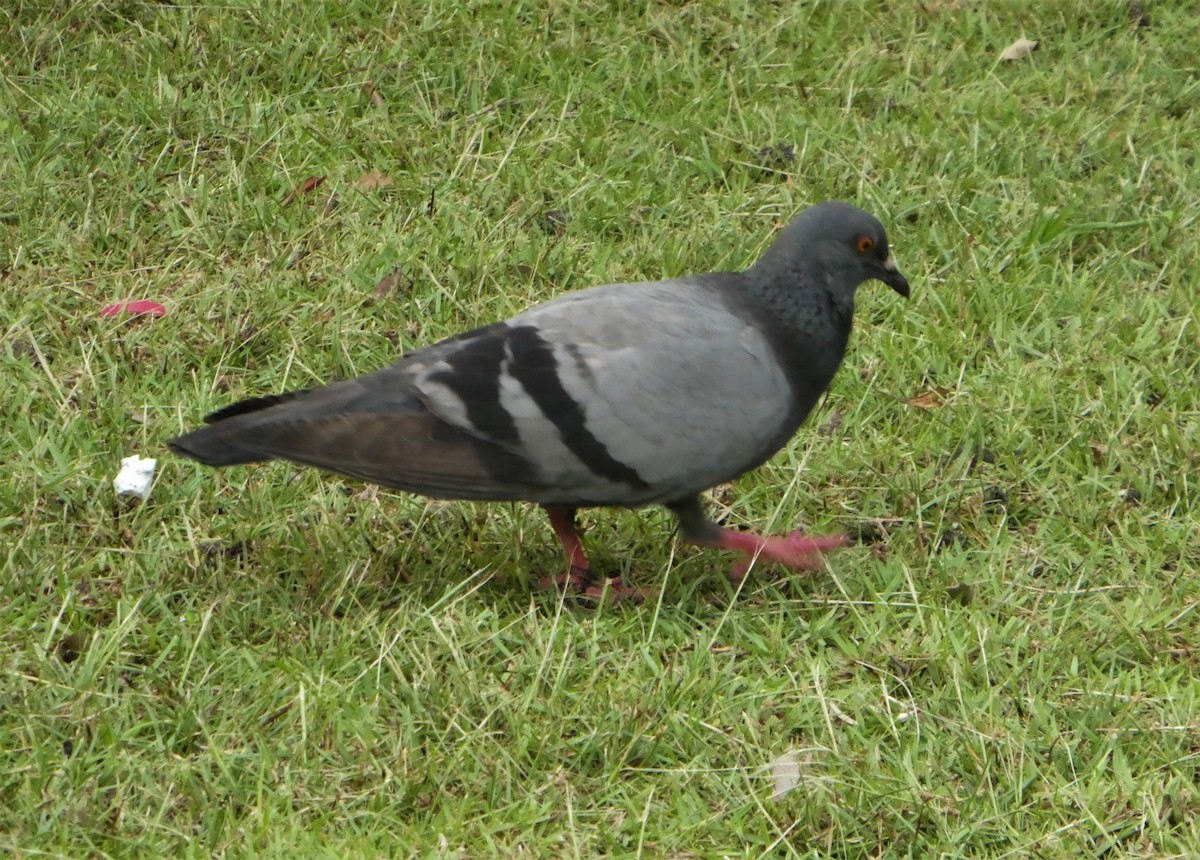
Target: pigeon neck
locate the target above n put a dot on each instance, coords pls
(806, 304)
(807, 326)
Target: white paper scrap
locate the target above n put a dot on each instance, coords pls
(135, 477)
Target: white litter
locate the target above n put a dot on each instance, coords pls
(785, 771)
(135, 477)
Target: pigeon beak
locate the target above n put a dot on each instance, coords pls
(892, 277)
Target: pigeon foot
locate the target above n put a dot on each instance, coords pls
(613, 592)
(796, 550)
(581, 584)
(575, 580)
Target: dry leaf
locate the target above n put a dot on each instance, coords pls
(832, 424)
(931, 399)
(297, 253)
(391, 282)
(963, 593)
(376, 98)
(842, 715)
(304, 187)
(1019, 49)
(72, 646)
(372, 181)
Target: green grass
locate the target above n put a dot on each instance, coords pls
(272, 662)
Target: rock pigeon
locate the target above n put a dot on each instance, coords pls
(619, 395)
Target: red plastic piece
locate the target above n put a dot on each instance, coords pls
(137, 308)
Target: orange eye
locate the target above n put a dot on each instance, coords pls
(865, 244)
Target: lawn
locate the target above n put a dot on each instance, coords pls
(272, 662)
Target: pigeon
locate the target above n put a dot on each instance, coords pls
(623, 395)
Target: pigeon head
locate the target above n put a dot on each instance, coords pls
(833, 245)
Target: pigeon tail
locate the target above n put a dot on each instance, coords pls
(209, 446)
(215, 445)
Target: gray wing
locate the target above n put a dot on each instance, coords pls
(626, 394)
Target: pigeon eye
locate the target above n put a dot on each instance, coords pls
(865, 244)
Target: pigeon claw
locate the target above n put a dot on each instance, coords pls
(613, 592)
(576, 580)
(579, 583)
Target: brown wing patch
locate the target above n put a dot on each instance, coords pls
(415, 452)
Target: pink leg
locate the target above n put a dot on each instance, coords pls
(562, 520)
(578, 576)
